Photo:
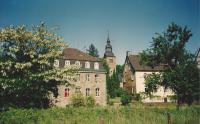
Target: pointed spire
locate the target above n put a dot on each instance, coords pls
(108, 39)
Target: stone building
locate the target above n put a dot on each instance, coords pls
(134, 81)
(91, 77)
(109, 56)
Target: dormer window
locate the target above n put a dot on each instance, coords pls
(87, 64)
(96, 66)
(56, 63)
(77, 63)
(67, 63)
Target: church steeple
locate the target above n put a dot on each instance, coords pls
(108, 48)
(108, 39)
(109, 56)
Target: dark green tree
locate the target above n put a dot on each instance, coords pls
(180, 72)
(93, 51)
(27, 75)
(113, 82)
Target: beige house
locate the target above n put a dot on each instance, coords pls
(134, 81)
(91, 78)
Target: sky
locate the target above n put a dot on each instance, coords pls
(131, 23)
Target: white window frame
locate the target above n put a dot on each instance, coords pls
(97, 90)
(87, 77)
(56, 63)
(67, 63)
(77, 63)
(96, 66)
(87, 64)
(87, 92)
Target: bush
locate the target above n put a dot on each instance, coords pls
(125, 98)
(137, 97)
(119, 92)
(90, 101)
(78, 100)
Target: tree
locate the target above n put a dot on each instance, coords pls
(180, 72)
(113, 82)
(27, 76)
(93, 51)
(125, 98)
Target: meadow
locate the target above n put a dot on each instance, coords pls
(134, 114)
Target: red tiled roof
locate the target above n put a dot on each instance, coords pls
(135, 63)
(75, 54)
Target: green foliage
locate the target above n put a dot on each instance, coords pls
(78, 100)
(93, 51)
(152, 82)
(125, 98)
(81, 115)
(90, 101)
(180, 73)
(137, 97)
(113, 82)
(27, 76)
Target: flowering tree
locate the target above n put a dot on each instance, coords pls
(27, 75)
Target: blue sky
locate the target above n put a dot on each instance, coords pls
(131, 23)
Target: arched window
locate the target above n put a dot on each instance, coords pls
(67, 63)
(77, 63)
(87, 64)
(66, 92)
(56, 63)
(87, 93)
(96, 66)
(97, 91)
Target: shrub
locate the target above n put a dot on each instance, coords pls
(137, 97)
(78, 100)
(125, 98)
(90, 101)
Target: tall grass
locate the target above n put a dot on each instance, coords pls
(110, 115)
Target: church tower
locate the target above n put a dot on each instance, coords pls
(109, 56)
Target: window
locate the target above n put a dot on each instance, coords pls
(87, 77)
(96, 66)
(56, 63)
(87, 64)
(87, 93)
(96, 78)
(77, 77)
(67, 63)
(97, 91)
(77, 63)
(66, 92)
(77, 90)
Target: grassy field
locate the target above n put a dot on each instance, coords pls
(135, 114)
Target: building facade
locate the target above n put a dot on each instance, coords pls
(109, 56)
(91, 77)
(134, 79)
